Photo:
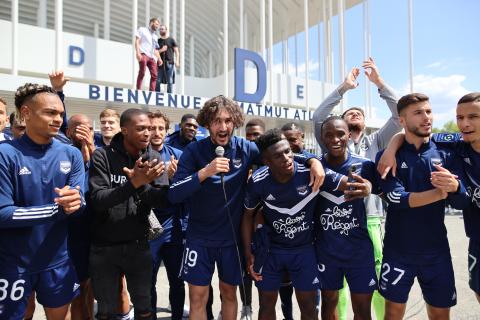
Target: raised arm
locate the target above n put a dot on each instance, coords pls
(57, 82)
(326, 107)
(392, 126)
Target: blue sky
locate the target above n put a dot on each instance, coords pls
(446, 51)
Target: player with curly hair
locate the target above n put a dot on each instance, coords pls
(214, 224)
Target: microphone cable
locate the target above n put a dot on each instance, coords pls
(234, 235)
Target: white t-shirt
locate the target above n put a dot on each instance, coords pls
(148, 41)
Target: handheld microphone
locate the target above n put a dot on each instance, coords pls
(220, 151)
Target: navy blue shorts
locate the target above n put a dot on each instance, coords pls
(54, 288)
(436, 280)
(473, 265)
(199, 264)
(360, 280)
(300, 265)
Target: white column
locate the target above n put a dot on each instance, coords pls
(262, 28)
(166, 13)
(106, 19)
(210, 64)
(96, 30)
(42, 14)
(173, 27)
(341, 35)
(410, 42)
(319, 53)
(134, 29)
(225, 48)
(14, 37)
(270, 49)
(240, 25)
(245, 32)
(366, 40)
(325, 42)
(58, 34)
(147, 12)
(330, 46)
(296, 51)
(182, 46)
(341, 42)
(284, 52)
(192, 55)
(305, 20)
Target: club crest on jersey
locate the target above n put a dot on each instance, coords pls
(364, 146)
(475, 195)
(65, 166)
(436, 161)
(302, 190)
(237, 163)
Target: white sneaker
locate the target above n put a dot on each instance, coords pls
(246, 313)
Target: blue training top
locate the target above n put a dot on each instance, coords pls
(208, 218)
(470, 160)
(176, 141)
(170, 217)
(342, 234)
(288, 207)
(418, 235)
(34, 229)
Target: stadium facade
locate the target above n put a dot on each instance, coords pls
(92, 41)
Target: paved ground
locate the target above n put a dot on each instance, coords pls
(466, 309)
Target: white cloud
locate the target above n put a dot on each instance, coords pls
(444, 92)
(312, 67)
(435, 64)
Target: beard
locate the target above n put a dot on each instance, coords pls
(355, 127)
(416, 131)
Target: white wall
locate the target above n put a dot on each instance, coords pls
(111, 63)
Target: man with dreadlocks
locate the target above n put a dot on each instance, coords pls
(40, 186)
(213, 225)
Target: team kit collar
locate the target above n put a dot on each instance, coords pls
(25, 139)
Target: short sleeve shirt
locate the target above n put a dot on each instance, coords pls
(148, 41)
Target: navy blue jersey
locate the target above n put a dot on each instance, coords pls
(176, 141)
(98, 140)
(470, 160)
(205, 203)
(34, 229)
(208, 220)
(170, 217)
(288, 207)
(418, 235)
(342, 235)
